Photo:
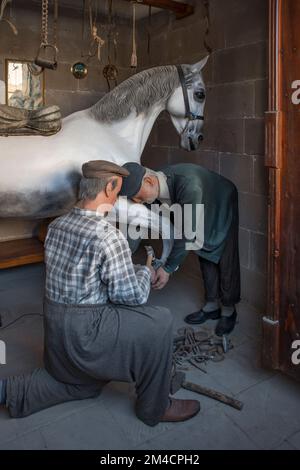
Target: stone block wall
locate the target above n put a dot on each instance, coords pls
(236, 80)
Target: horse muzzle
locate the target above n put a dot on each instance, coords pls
(191, 142)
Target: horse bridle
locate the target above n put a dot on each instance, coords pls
(188, 113)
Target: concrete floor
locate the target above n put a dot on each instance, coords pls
(270, 418)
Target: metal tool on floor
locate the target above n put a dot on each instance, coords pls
(198, 347)
(178, 381)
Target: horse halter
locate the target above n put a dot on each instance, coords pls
(188, 113)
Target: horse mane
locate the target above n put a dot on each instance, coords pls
(139, 93)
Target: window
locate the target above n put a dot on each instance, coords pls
(24, 84)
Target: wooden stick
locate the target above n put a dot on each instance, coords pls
(208, 392)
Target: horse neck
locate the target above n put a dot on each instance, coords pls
(135, 130)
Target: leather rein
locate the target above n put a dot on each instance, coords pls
(188, 113)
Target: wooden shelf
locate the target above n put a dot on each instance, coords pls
(20, 252)
(181, 10)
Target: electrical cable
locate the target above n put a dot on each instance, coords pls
(17, 319)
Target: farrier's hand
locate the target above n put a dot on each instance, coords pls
(162, 278)
(153, 275)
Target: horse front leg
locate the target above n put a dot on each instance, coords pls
(137, 223)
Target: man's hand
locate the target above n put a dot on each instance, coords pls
(153, 275)
(162, 278)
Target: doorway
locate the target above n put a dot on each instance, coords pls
(281, 325)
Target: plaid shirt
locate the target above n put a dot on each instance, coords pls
(88, 261)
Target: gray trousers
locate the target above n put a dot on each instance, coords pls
(223, 280)
(86, 346)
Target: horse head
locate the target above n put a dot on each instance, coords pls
(186, 105)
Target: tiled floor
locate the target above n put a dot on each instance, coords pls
(270, 418)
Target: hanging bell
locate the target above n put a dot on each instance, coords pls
(110, 72)
(79, 70)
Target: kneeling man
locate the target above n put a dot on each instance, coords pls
(95, 327)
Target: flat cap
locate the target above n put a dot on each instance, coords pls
(133, 183)
(102, 169)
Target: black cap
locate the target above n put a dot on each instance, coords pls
(132, 184)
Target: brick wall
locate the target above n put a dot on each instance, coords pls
(234, 128)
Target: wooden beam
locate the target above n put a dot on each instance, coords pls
(181, 10)
(20, 252)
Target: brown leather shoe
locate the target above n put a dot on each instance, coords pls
(180, 410)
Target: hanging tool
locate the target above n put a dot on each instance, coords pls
(97, 42)
(110, 71)
(2, 8)
(198, 347)
(79, 69)
(133, 62)
(178, 381)
(41, 59)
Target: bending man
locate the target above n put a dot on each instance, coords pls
(188, 184)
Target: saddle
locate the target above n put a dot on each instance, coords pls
(18, 121)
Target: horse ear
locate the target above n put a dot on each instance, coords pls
(196, 68)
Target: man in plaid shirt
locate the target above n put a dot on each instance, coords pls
(88, 264)
(96, 328)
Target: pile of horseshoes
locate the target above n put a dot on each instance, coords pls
(196, 348)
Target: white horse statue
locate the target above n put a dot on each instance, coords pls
(39, 175)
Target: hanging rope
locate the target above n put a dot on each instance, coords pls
(55, 20)
(83, 26)
(207, 20)
(2, 8)
(115, 41)
(149, 30)
(112, 34)
(87, 9)
(110, 71)
(97, 41)
(133, 62)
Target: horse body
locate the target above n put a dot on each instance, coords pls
(39, 180)
(39, 175)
